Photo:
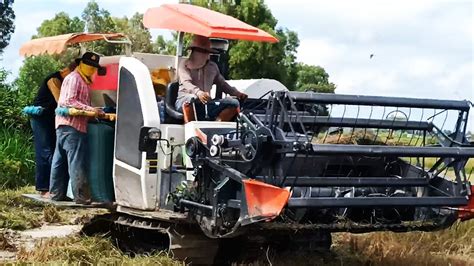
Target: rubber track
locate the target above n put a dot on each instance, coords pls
(184, 242)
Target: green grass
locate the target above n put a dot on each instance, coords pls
(429, 162)
(19, 213)
(16, 158)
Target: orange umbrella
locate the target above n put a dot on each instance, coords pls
(202, 21)
(57, 44)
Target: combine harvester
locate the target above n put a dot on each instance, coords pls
(293, 168)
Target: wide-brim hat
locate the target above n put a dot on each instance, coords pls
(91, 59)
(202, 43)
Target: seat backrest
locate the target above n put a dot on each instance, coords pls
(170, 102)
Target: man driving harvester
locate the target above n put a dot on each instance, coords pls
(196, 75)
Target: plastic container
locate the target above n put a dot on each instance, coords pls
(100, 138)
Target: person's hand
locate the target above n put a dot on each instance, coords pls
(203, 96)
(99, 112)
(242, 96)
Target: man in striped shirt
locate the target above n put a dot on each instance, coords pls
(71, 133)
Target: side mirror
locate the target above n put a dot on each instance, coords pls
(149, 136)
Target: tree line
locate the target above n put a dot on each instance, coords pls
(246, 59)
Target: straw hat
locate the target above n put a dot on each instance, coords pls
(202, 44)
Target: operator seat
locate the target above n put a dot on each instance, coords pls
(172, 115)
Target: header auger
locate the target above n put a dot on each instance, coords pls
(360, 177)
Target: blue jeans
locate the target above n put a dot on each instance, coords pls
(214, 107)
(44, 137)
(70, 158)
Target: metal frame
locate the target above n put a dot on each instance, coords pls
(275, 145)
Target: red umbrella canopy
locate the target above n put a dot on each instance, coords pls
(202, 21)
(57, 44)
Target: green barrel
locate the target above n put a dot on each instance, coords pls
(100, 138)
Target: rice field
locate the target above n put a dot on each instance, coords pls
(453, 246)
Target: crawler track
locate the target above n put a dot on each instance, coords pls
(186, 242)
(136, 235)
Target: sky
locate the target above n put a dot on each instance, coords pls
(420, 48)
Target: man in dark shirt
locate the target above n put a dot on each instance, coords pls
(42, 124)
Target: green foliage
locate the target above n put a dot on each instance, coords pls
(313, 78)
(265, 60)
(16, 149)
(100, 20)
(253, 12)
(60, 24)
(96, 19)
(11, 104)
(166, 47)
(32, 74)
(7, 17)
(247, 59)
(18, 212)
(16, 158)
(137, 33)
(9, 107)
(321, 88)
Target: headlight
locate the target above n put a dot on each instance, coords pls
(154, 134)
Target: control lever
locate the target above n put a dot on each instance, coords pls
(193, 102)
(207, 114)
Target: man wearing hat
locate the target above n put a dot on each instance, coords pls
(197, 74)
(71, 133)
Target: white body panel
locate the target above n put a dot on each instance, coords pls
(175, 135)
(256, 88)
(134, 186)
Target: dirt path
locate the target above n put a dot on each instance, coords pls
(16, 240)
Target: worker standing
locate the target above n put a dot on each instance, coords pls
(196, 76)
(71, 133)
(42, 124)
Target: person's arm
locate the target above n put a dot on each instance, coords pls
(71, 89)
(54, 86)
(185, 80)
(221, 83)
